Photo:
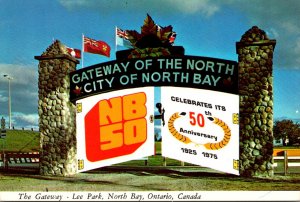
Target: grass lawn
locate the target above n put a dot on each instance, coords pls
(20, 141)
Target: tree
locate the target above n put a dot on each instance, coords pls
(294, 138)
(287, 130)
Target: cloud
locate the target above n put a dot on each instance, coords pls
(22, 74)
(20, 120)
(2, 98)
(205, 7)
(280, 19)
(25, 120)
(290, 27)
(24, 93)
(297, 49)
(297, 45)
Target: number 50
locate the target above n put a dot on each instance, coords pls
(196, 119)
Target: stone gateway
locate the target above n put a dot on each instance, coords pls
(57, 112)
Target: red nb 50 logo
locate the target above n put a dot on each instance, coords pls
(116, 127)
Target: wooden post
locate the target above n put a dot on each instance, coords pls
(164, 161)
(5, 161)
(285, 162)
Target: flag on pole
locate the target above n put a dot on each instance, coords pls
(122, 38)
(172, 38)
(74, 52)
(95, 46)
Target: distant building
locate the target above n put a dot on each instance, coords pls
(278, 142)
(281, 141)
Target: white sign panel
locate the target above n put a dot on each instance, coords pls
(201, 127)
(114, 127)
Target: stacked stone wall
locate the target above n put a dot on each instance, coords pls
(56, 112)
(255, 52)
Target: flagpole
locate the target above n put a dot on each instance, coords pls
(116, 45)
(82, 50)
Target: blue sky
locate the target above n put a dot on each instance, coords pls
(204, 27)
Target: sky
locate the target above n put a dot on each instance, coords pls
(204, 28)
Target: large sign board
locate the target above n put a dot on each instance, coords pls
(114, 127)
(185, 71)
(103, 92)
(201, 127)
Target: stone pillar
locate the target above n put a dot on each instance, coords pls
(255, 53)
(56, 113)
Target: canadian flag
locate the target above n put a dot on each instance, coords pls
(74, 52)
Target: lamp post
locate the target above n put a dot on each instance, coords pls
(9, 78)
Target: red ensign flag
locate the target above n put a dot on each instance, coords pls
(96, 47)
